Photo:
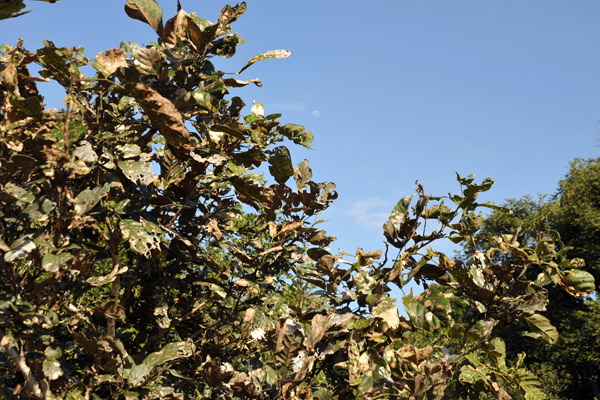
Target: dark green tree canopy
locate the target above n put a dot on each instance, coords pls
(573, 212)
(146, 252)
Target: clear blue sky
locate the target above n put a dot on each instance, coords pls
(396, 91)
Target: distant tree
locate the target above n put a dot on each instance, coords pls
(146, 253)
(570, 367)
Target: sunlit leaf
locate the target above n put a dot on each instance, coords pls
(147, 11)
(280, 53)
(109, 61)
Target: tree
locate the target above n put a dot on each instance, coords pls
(571, 365)
(145, 255)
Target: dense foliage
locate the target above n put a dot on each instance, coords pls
(571, 366)
(146, 253)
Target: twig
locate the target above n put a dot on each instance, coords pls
(7, 344)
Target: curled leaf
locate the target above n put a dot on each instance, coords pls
(280, 53)
(579, 283)
(175, 30)
(147, 11)
(163, 114)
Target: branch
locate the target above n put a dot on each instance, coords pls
(7, 344)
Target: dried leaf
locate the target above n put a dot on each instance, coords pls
(319, 325)
(387, 311)
(280, 53)
(175, 30)
(213, 229)
(108, 62)
(163, 115)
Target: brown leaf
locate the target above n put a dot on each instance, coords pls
(370, 254)
(8, 76)
(163, 115)
(387, 311)
(290, 226)
(234, 83)
(249, 314)
(175, 29)
(213, 229)
(108, 62)
(414, 354)
(319, 323)
(200, 36)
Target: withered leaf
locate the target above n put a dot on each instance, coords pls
(109, 61)
(163, 115)
(175, 29)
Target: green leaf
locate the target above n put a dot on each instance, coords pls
(147, 11)
(401, 207)
(579, 283)
(171, 351)
(53, 262)
(143, 236)
(11, 9)
(51, 365)
(20, 248)
(31, 106)
(541, 328)
(298, 134)
(137, 171)
(303, 174)
(52, 368)
(19, 193)
(472, 375)
(497, 349)
(529, 385)
(87, 199)
(420, 316)
(137, 374)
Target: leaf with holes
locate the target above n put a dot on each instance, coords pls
(137, 171)
(143, 236)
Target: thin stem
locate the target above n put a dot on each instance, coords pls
(7, 344)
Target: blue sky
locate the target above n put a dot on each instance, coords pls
(396, 91)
